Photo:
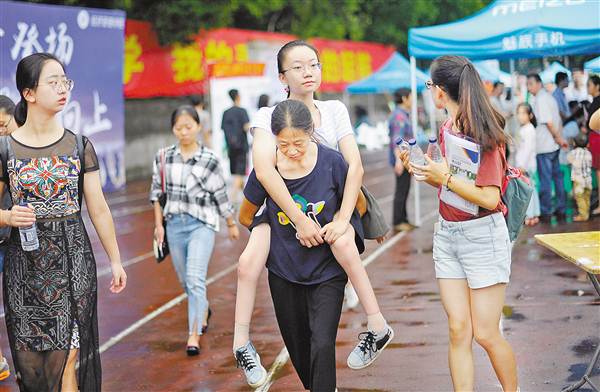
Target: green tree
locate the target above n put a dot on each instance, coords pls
(385, 21)
(389, 21)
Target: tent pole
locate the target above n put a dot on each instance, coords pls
(413, 117)
(513, 76)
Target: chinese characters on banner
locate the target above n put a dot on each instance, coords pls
(183, 69)
(89, 42)
(539, 40)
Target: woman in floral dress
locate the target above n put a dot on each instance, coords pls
(50, 293)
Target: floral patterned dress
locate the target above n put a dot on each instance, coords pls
(50, 294)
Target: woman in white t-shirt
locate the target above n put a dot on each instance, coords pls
(525, 156)
(300, 71)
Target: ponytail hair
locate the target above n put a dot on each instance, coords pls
(29, 70)
(20, 114)
(476, 117)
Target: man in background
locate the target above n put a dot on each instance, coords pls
(204, 116)
(561, 79)
(235, 124)
(400, 126)
(549, 140)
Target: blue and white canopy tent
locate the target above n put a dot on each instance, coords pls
(549, 73)
(509, 29)
(392, 75)
(593, 65)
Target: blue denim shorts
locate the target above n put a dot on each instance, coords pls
(477, 250)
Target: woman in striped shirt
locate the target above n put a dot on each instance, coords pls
(196, 198)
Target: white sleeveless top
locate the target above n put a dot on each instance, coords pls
(335, 122)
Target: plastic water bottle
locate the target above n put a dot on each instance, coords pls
(433, 150)
(402, 144)
(416, 157)
(29, 237)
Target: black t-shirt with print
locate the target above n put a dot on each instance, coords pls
(319, 195)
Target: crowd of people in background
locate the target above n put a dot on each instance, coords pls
(315, 215)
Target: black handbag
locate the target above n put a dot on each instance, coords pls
(161, 251)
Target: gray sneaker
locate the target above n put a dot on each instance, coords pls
(369, 348)
(248, 359)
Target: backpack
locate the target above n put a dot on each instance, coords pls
(516, 194)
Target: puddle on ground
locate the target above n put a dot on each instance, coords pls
(510, 314)
(577, 293)
(406, 345)
(585, 347)
(577, 372)
(533, 255)
(571, 318)
(353, 325)
(423, 251)
(360, 389)
(567, 274)
(405, 282)
(224, 368)
(421, 294)
(167, 346)
(413, 323)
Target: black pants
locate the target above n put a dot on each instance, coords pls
(308, 318)
(400, 197)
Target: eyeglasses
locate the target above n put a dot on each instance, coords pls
(315, 67)
(429, 84)
(59, 84)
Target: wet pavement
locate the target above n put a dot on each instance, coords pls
(552, 316)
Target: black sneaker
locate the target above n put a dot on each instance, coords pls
(369, 348)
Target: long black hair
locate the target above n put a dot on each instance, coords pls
(291, 114)
(184, 109)
(286, 48)
(29, 70)
(476, 117)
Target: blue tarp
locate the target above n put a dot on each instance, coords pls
(549, 73)
(394, 74)
(593, 65)
(514, 29)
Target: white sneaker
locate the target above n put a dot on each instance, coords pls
(350, 297)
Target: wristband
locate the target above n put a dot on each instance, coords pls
(448, 181)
